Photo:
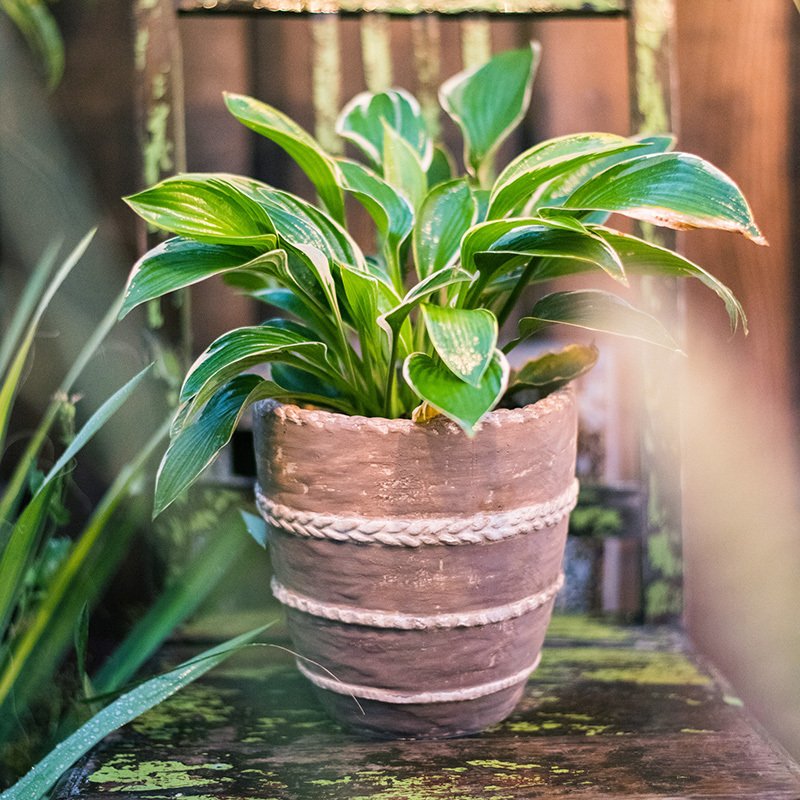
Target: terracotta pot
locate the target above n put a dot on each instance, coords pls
(418, 566)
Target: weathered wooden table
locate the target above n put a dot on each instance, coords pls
(611, 712)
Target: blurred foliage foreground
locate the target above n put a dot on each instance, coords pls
(50, 581)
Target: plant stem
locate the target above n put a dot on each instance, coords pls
(514, 296)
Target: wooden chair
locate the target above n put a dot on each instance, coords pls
(162, 140)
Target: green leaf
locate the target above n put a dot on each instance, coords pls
(367, 299)
(12, 377)
(44, 775)
(391, 212)
(12, 495)
(393, 320)
(463, 403)
(527, 173)
(644, 258)
(488, 102)
(442, 167)
(363, 119)
(209, 208)
(302, 225)
(242, 348)
(500, 245)
(446, 214)
(95, 422)
(23, 308)
(550, 371)
(297, 304)
(178, 263)
(80, 579)
(560, 188)
(256, 527)
(36, 24)
(402, 167)
(675, 190)
(596, 311)
(465, 339)
(320, 168)
(199, 441)
(178, 602)
(18, 553)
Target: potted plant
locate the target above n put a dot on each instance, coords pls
(417, 511)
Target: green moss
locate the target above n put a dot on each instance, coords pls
(584, 628)
(612, 665)
(129, 775)
(492, 763)
(196, 704)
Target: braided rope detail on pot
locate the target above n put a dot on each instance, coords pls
(388, 619)
(413, 532)
(390, 696)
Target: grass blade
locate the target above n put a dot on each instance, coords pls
(95, 422)
(179, 602)
(34, 287)
(44, 775)
(79, 580)
(11, 379)
(10, 498)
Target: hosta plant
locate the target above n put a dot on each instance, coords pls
(408, 325)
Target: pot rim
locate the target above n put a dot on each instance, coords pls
(320, 418)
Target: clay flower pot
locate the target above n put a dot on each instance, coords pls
(417, 566)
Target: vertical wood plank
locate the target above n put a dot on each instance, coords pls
(160, 134)
(650, 45)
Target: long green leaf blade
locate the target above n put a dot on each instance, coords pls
(487, 103)
(126, 708)
(243, 348)
(178, 602)
(463, 403)
(37, 25)
(209, 208)
(549, 371)
(527, 173)
(644, 258)
(178, 263)
(78, 582)
(199, 441)
(596, 311)
(11, 379)
(320, 168)
(675, 190)
(34, 287)
(95, 422)
(446, 214)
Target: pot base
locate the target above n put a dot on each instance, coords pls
(450, 720)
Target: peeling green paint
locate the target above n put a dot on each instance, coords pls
(376, 51)
(654, 18)
(126, 774)
(326, 79)
(662, 555)
(140, 45)
(476, 41)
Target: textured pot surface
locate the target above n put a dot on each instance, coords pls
(418, 566)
